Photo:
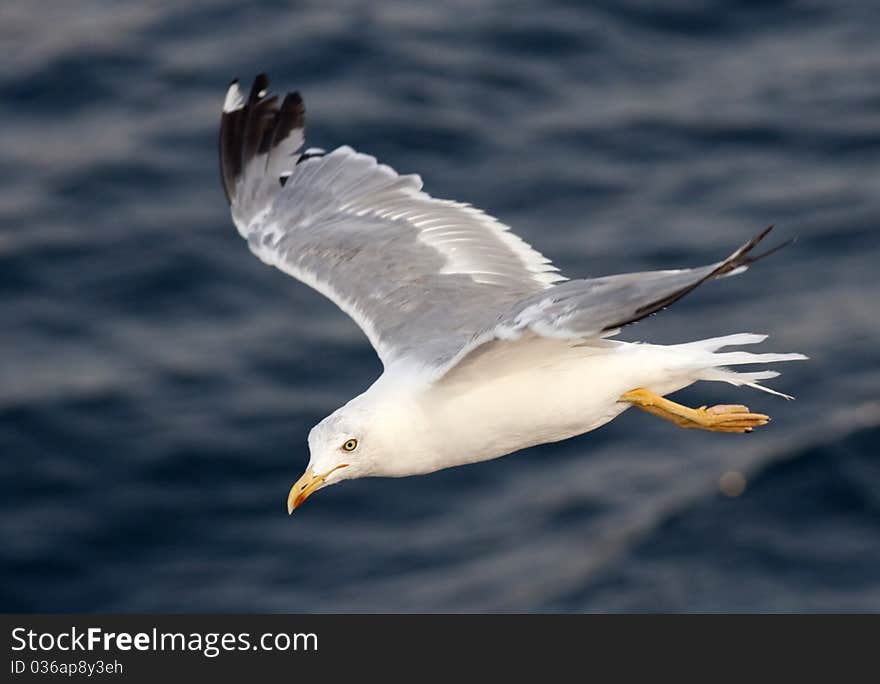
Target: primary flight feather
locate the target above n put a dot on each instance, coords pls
(486, 348)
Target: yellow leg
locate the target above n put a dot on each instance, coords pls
(720, 418)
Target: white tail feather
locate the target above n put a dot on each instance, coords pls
(715, 343)
(709, 365)
(743, 379)
(738, 358)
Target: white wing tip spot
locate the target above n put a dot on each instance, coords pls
(234, 99)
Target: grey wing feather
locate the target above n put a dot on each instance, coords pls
(597, 307)
(420, 276)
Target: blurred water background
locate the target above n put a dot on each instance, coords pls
(157, 382)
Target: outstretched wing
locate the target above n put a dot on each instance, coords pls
(420, 276)
(596, 307)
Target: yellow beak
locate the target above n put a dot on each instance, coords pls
(307, 485)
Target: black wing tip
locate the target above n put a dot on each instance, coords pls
(254, 125)
(292, 100)
(744, 257)
(788, 243)
(293, 107)
(259, 88)
(741, 258)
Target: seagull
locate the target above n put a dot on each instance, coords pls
(486, 348)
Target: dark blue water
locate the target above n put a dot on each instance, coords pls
(158, 382)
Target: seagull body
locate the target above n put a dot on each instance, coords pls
(486, 348)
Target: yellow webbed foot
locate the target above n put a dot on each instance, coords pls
(720, 418)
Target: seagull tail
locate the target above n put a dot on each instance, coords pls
(707, 363)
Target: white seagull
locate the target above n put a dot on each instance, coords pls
(486, 348)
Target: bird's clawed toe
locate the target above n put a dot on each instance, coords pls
(728, 418)
(734, 418)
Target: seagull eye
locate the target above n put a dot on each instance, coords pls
(350, 445)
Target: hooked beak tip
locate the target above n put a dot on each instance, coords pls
(294, 503)
(305, 486)
(301, 490)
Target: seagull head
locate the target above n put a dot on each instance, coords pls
(341, 447)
